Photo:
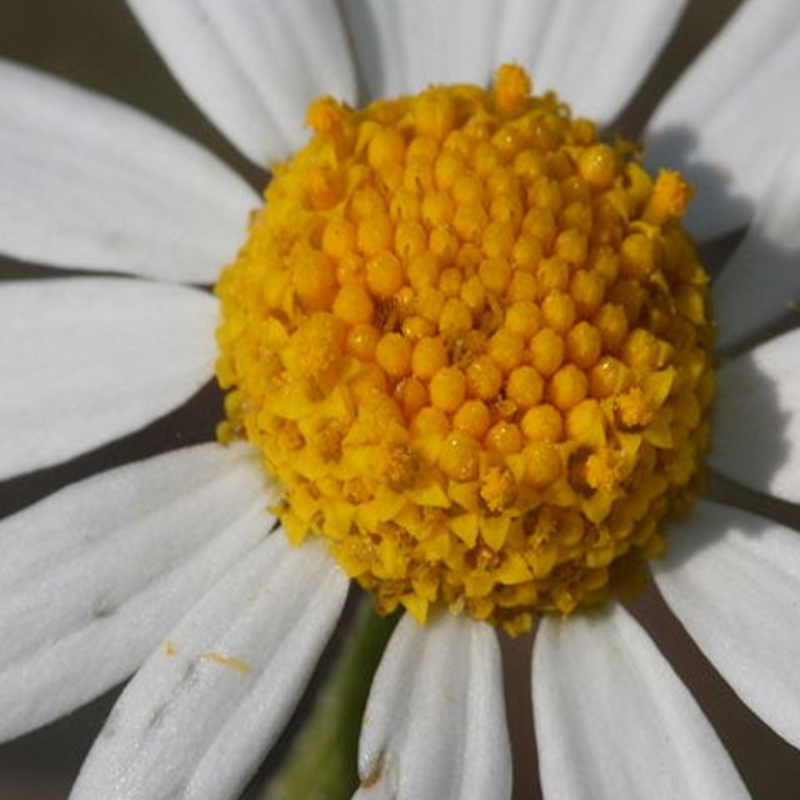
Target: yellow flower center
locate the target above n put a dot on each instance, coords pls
(472, 343)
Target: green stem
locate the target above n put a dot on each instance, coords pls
(322, 761)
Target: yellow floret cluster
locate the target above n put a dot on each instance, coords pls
(472, 343)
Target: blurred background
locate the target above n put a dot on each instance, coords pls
(97, 44)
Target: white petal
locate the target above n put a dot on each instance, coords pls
(594, 55)
(435, 724)
(756, 438)
(85, 360)
(91, 183)
(761, 281)
(253, 67)
(92, 577)
(733, 579)
(198, 718)
(404, 46)
(727, 121)
(613, 720)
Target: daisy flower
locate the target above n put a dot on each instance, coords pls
(470, 342)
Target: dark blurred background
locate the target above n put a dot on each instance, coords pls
(98, 44)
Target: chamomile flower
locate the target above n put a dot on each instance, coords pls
(466, 345)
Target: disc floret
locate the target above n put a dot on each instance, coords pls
(472, 342)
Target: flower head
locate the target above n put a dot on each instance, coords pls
(468, 335)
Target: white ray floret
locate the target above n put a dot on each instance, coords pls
(733, 579)
(581, 51)
(205, 708)
(403, 47)
(761, 281)
(614, 721)
(435, 724)
(86, 360)
(92, 577)
(711, 125)
(253, 67)
(756, 438)
(90, 183)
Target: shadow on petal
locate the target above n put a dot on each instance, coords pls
(713, 197)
